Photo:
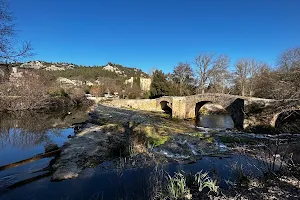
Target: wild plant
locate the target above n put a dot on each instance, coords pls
(177, 188)
(202, 180)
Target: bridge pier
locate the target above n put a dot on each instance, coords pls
(179, 107)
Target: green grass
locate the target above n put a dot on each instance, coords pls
(202, 180)
(176, 187)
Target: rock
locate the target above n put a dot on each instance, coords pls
(93, 145)
(50, 147)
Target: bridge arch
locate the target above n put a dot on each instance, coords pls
(287, 120)
(199, 106)
(223, 121)
(166, 107)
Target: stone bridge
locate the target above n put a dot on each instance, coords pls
(245, 111)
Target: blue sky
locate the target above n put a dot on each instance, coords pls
(156, 33)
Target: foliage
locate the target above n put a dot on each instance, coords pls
(183, 77)
(160, 86)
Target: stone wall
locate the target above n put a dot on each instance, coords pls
(139, 104)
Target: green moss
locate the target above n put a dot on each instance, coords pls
(198, 134)
(210, 139)
(158, 140)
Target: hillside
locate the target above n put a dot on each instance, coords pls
(84, 73)
(113, 78)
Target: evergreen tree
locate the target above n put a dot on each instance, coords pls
(160, 86)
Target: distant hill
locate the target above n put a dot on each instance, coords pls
(47, 66)
(73, 71)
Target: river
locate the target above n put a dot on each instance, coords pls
(23, 135)
(215, 121)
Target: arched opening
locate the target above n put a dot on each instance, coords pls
(212, 115)
(288, 121)
(165, 107)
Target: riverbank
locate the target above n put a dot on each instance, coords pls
(120, 139)
(50, 103)
(116, 133)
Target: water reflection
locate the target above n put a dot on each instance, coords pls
(28, 129)
(215, 121)
(24, 134)
(132, 184)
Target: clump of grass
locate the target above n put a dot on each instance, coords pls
(176, 187)
(202, 181)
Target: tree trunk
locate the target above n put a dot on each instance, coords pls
(243, 91)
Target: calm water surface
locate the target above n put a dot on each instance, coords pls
(24, 134)
(215, 121)
(132, 184)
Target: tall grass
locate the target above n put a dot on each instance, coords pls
(177, 188)
(202, 180)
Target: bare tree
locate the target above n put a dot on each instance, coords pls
(254, 66)
(218, 74)
(203, 62)
(265, 82)
(10, 51)
(290, 60)
(289, 73)
(183, 76)
(242, 71)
